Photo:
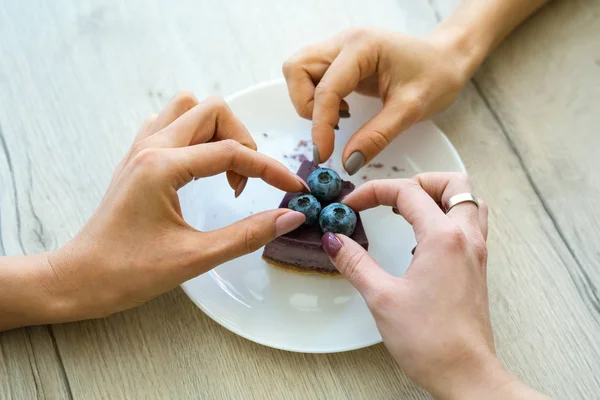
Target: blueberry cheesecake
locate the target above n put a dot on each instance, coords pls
(301, 249)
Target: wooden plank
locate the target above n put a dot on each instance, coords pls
(544, 331)
(30, 366)
(544, 86)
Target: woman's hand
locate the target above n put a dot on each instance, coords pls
(137, 245)
(415, 77)
(435, 319)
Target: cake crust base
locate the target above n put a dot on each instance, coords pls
(301, 270)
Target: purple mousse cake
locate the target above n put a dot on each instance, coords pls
(301, 249)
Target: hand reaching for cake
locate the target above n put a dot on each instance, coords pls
(415, 77)
(137, 245)
(435, 319)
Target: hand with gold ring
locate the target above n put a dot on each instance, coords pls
(435, 319)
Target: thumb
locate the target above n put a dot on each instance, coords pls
(246, 236)
(355, 263)
(397, 115)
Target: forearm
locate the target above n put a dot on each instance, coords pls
(482, 378)
(27, 292)
(476, 27)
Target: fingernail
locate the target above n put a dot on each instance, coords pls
(316, 157)
(240, 187)
(336, 127)
(395, 211)
(344, 114)
(331, 244)
(354, 162)
(303, 182)
(288, 222)
(413, 250)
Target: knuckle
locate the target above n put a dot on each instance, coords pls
(230, 149)
(147, 159)
(288, 66)
(230, 145)
(138, 147)
(415, 104)
(481, 251)
(461, 177)
(357, 33)
(252, 239)
(185, 99)
(352, 264)
(453, 238)
(216, 103)
(404, 187)
(378, 139)
(323, 88)
(305, 110)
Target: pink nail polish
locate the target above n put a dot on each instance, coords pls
(331, 244)
(303, 182)
(240, 187)
(288, 222)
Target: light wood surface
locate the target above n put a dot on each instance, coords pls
(77, 77)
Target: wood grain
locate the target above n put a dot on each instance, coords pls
(77, 77)
(544, 85)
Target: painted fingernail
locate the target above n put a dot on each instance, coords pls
(288, 222)
(413, 250)
(344, 114)
(240, 187)
(303, 182)
(336, 127)
(354, 163)
(331, 244)
(395, 211)
(316, 156)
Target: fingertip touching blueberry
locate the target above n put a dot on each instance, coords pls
(308, 205)
(325, 184)
(338, 218)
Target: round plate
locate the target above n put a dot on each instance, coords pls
(281, 308)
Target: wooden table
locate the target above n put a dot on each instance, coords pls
(78, 76)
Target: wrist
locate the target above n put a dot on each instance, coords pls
(481, 377)
(477, 368)
(463, 46)
(29, 292)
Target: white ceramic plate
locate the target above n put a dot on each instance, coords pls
(290, 310)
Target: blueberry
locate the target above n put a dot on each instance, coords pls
(308, 205)
(338, 218)
(325, 184)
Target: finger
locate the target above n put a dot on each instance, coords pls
(304, 70)
(483, 218)
(374, 136)
(409, 198)
(245, 236)
(210, 120)
(210, 159)
(144, 129)
(355, 263)
(353, 64)
(441, 186)
(181, 103)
